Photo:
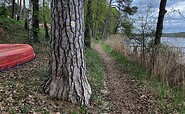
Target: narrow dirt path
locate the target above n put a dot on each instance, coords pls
(124, 92)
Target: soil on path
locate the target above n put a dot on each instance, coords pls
(125, 95)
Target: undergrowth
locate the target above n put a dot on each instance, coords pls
(14, 31)
(168, 100)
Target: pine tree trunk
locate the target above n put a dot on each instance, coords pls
(45, 23)
(35, 21)
(30, 23)
(162, 12)
(25, 15)
(24, 9)
(13, 8)
(107, 19)
(68, 79)
(88, 25)
(18, 17)
(157, 40)
(20, 9)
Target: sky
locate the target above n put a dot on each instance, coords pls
(174, 21)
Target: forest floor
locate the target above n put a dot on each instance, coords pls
(125, 93)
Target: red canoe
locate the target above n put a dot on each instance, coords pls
(15, 54)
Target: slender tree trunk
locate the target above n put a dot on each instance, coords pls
(88, 24)
(18, 17)
(106, 20)
(157, 40)
(24, 8)
(13, 8)
(20, 9)
(30, 23)
(35, 21)
(68, 79)
(45, 23)
(25, 16)
(162, 12)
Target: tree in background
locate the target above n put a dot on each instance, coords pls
(30, 23)
(20, 9)
(35, 21)
(115, 17)
(101, 18)
(3, 9)
(68, 79)
(140, 28)
(162, 12)
(124, 8)
(45, 12)
(88, 24)
(25, 15)
(107, 19)
(98, 9)
(158, 33)
(13, 9)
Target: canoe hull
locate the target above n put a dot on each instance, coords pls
(12, 55)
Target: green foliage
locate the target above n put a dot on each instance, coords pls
(46, 13)
(14, 31)
(106, 18)
(131, 10)
(114, 19)
(99, 10)
(4, 11)
(127, 27)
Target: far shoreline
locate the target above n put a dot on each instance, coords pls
(174, 35)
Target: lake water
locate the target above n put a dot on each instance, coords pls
(176, 42)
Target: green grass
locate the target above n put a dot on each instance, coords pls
(14, 31)
(168, 100)
(95, 74)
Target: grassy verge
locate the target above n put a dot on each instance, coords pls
(14, 31)
(166, 100)
(95, 75)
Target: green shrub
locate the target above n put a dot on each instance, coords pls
(4, 11)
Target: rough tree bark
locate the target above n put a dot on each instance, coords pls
(13, 8)
(30, 23)
(162, 12)
(88, 25)
(68, 78)
(25, 15)
(45, 23)
(35, 21)
(20, 9)
(157, 40)
(18, 17)
(24, 9)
